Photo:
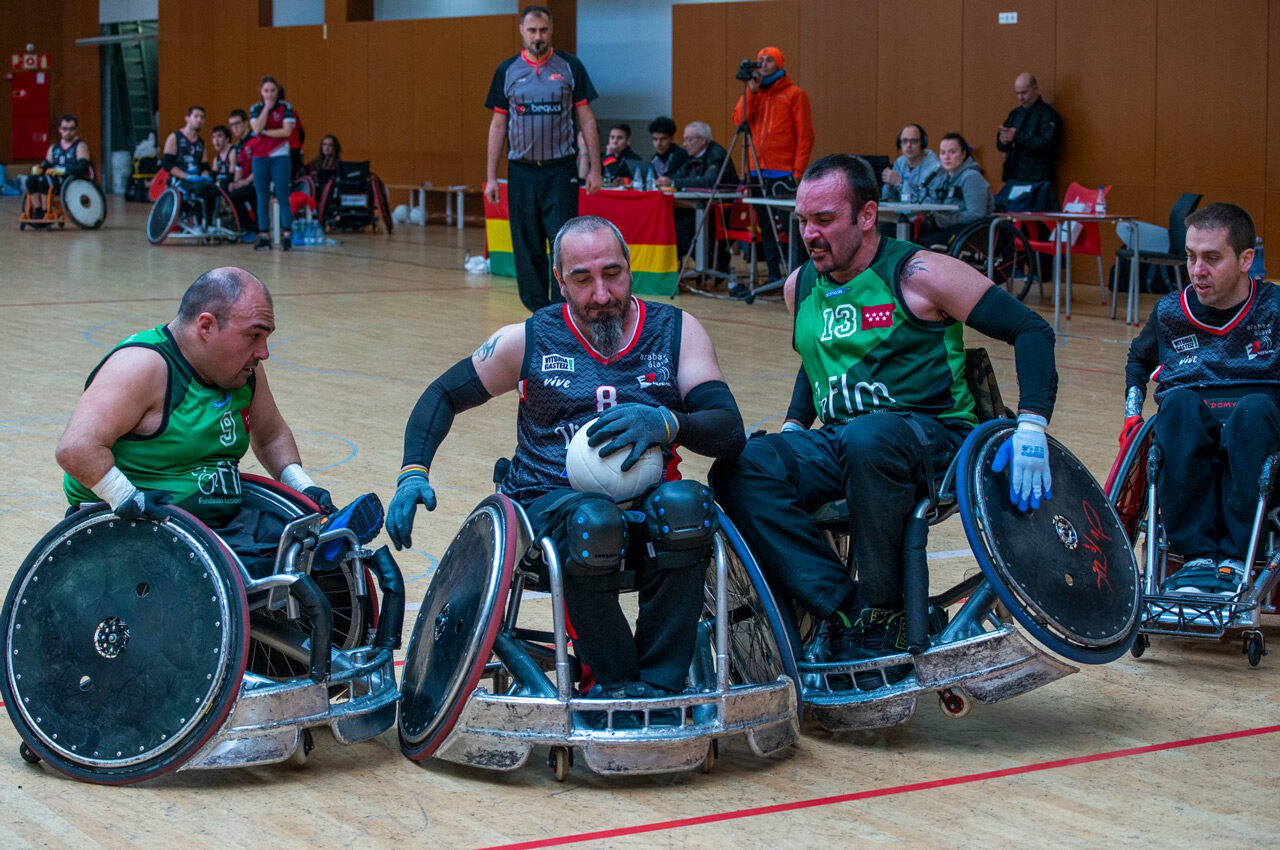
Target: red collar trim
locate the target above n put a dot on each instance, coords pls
(591, 349)
(1235, 320)
(537, 65)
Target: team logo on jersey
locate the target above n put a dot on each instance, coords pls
(562, 383)
(1191, 360)
(658, 378)
(1187, 343)
(556, 363)
(878, 316)
(555, 76)
(222, 402)
(539, 108)
(836, 292)
(1258, 347)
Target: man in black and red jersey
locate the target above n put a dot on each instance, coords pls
(68, 155)
(1213, 353)
(540, 100)
(185, 161)
(649, 373)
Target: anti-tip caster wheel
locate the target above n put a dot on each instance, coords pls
(954, 703)
(302, 754)
(559, 760)
(1140, 644)
(27, 754)
(709, 760)
(1254, 648)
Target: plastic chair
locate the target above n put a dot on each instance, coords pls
(1078, 237)
(1176, 256)
(737, 222)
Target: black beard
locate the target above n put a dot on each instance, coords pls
(606, 334)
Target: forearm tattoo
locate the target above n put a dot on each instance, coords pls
(1133, 402)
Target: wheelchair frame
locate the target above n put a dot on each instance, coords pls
(56, 204)
(248, 718)
(1202, 616)
(531, 700)
(176, 215)
(1010, 247)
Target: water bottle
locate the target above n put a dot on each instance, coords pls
(1258, 270)
(1100, 206)
(651, 181)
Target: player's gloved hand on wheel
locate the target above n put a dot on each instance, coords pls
(1026, 453)
(637, 425)
(1131, 426)
(321, 497)
(412, 489)
(143, 504)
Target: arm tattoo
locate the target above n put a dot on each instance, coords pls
(485, 351)
(1133, 402)
(910, 269)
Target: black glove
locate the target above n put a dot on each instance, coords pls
(144, 504)
(637, 425)
(321, 497)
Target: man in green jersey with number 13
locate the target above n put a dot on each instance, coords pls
(878, 324)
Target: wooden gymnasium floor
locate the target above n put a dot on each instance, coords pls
(1178, 749)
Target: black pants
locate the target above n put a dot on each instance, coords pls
(244, 199)
(686, 229)
(667, 625)
(877, 462)
(540, 198)
(774, 250)
(1208, 482)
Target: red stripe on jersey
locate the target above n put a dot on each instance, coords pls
(1186, 311)
(582, 102)
(591, 349)
(501, 111)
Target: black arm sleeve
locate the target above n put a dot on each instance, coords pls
(1144, 356)
(802, 409)
(713, 425)
(168, 161)
(78, 168)
(458, 389)
(1001, 316)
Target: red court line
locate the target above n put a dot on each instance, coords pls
(883, 792)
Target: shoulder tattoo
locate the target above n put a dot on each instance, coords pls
(913, 267)
(485, 351)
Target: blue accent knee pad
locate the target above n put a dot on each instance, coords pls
(595, 536)
(681, 522)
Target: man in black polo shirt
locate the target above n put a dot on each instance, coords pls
(540, 99)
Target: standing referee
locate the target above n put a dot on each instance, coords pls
(540, 99)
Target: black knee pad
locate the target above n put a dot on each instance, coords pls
(680, 519)
(595, 535)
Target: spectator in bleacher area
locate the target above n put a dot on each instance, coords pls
(1030, 136)
(243, 196)
(223, 165)
(540, 97)
(272, 121)
(67, 156)
(960, 182)
(324, 167)
(904, 180)
(620, 162)
(667, 155)
(777, 111)
(699, 171)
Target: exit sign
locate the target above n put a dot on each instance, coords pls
(1007, 17)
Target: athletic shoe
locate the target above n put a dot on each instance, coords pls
(249, 236)
(263, 244)
(363, 516)
(1199, 575)
(286, 243)
(1230, 575)
(875, 633)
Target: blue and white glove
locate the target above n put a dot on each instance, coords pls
(1029, 478)
(412, 489)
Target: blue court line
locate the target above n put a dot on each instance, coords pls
(755, 426)
(354, 449)
(88, 334)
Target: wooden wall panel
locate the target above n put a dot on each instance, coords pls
(841, 56)
(699, 62)
(346, 65)
(749, 27)
(486, 42)
(919, 70)
(438, 109)
(1273, 96)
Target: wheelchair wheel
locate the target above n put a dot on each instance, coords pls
(164, 213)
(224, 224)
(758, 649)
(84, 203)
(1011, 263)
(453, 637)
(124, 644)
(1065, 570)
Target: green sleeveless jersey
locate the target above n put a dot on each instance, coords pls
(195, 453)
(864, 351)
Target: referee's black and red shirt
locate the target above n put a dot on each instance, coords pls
(539, 100)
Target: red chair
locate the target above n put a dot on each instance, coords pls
(736, 222)
(1078, 237)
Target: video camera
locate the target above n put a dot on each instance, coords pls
(747, 69)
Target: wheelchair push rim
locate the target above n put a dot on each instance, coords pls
(1065, 571)
(84, 203)
(453, 637)
(125, 644)
(164, 212)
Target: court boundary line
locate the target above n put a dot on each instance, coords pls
(777, 808)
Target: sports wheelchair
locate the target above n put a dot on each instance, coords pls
(134, 648)
(1131, 488)
(468, 631)
(354, 199)
(1013, 264)
(77, 198)
(178, 212)
(1064, 572)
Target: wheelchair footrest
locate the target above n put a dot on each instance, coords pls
(497, 731)
(358, 702)
(1196, 615)
(990, 667)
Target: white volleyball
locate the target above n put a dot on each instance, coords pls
(590, 473)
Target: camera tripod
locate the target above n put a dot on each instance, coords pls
(753, 181)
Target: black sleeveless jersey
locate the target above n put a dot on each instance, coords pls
(565, 383)
(190, 154)
(60, 157)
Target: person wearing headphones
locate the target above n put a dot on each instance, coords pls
(905, 179)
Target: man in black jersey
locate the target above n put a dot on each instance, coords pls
(184, 159)
(649, 373)
(69, 155)
(540, 99)
(1212, 350)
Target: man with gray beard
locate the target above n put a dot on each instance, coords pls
(649, 373)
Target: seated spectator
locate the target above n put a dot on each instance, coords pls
(910, 171)
(959, 181)
(620, 161)
(325, 165)
(699, 171)
(223, 167)
(243, 196)
(667, 155)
